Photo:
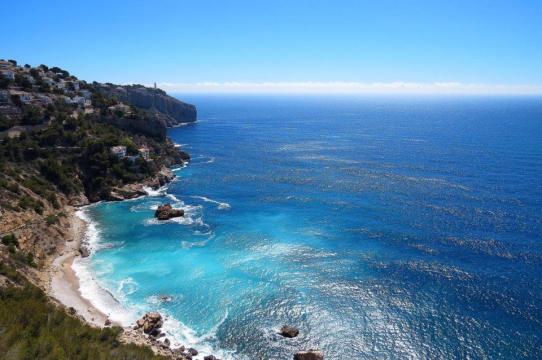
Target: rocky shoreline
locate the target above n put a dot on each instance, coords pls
(61, 283)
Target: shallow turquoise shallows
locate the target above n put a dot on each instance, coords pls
(382, 228)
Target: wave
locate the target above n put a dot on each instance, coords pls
(192, 244)
(221, 205)
(181, 334)
(127, 286)
(179, 168)
(199, 160)
(91, 239)
(95, 291)
(152, 192)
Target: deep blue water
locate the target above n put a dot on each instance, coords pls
(382, 228)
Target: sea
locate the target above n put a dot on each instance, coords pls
(381, 227)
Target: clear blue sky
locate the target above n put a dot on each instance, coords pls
(489, 41)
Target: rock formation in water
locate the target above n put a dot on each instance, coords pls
(150, 323)
(289, 331)
(309, 355)
(166, 212)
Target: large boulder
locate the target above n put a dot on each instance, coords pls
(166, 212)
(150, 323)
(309, 355)
(289, 331)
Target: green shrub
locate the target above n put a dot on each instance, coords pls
(10, 239)
(51, 219)
(33, 328)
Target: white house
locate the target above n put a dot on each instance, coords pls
(25, 97)
(144, 152)
(79, 100)
(85, 93)
(119, 151)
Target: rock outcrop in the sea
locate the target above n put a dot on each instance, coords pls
(210, 357)
(171, 111)
(150, 323)
(289, 331)
(135, 190)
(309, 355)
(166, 212)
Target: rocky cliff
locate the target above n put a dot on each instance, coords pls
(174, 112)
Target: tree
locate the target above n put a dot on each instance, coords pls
(4, 82)
(23, 82)
(5, 123)
(32, 115)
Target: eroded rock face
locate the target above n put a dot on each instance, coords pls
(309, 355)
(150, 323)
(166, 212)
(171, 111)
(289, 331)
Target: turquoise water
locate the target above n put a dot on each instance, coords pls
(382, 228)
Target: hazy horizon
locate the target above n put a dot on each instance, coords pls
(350, 47)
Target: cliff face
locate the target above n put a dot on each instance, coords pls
(171, 110)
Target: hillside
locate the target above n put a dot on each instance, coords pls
(66, 143)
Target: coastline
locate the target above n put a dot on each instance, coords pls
(61, 281)
(64, 284)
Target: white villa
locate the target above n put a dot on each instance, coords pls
(119, 151)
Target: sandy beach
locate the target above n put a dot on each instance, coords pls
(64, 283)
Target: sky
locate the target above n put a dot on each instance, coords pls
(384, 46)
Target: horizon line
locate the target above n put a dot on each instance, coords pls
(351, 88)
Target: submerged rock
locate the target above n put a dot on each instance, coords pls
(165, 298)
(289, 331)
(309, 355)
(192, 351)
(166, 212)
(107, 322)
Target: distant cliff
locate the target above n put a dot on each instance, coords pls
(172, 111)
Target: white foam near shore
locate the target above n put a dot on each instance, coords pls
(152, 192)
(106, 302)
(89, 286)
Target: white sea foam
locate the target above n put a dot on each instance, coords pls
(92, 233)
(108, 302)
(152, 192)
(180, 334)
(127, 286)
(179, 168)
(200, 160)
(221, 205)
(192, 216)
(193, 244)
